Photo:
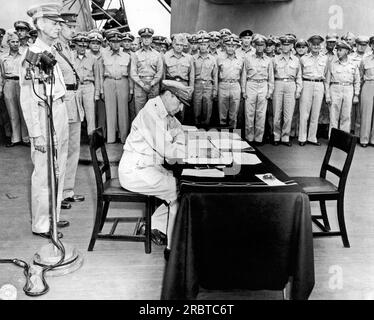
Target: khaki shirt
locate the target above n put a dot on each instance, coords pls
(206, 69)
(66, 69)
(346, 72)
(288, 67)
(146, 63)
(179, 67)
(243, 53)
(154, 136)
(356, 58)
(259, 68)
(10, 65)
(30, 103)
(99, 58)
(230, 69)
(314, 67)
(88, 69)
(367, 68)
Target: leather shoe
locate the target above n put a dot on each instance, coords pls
(364, 145)
(158, 237)
(63, 224)
(12, 144)
(166, 254)
(65, 205)
(26, 144)
(47, 235)
(276, 143)
(288, 144)
(315, 143)
(302, 144)
(75, 198)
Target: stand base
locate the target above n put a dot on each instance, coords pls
(49, 255)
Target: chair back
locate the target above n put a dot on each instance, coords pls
(345, 142)
(97, 142)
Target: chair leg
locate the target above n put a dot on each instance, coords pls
(341, 221)
(96, 228)
(105, 212)
(148, 226)
(325, 218)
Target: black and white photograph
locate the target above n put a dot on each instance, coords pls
(210, 152)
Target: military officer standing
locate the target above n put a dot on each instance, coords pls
(314, 68)
(146, 70)
(22, 28)
(367, 98)
(88, 71)
(206, 82)
(270, 47)
(179, 66)
(164, 47)
(135, 45)
(47, 21)
(65, 58)
(246, 48)
(259, 75)
(117, 88)
(223, 34)
(214, 45)
(343, 87)
(287, 89)
(127, 39)
(9, 86)
(356, 57)
(193, 40)
(231, 82)
(2, 48)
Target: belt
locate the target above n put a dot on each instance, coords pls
(285, 79)
(147, 78)
(343, 83)
(115, 78)
(71, 87)
(313, 80)
(11, 78)
(257, 80)
(86, 81)
(368, 80)
(176, 79)
(203, 81)
(229, 81)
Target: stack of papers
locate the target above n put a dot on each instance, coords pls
(245, 158)
(194, 158)
(211, 173)
(189, 128)
(270, 180)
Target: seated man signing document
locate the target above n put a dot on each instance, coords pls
(156, 136)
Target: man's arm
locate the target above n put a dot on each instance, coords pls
(96, 73)
(2, 77)
(160, 71)
(270, 80)
(134, 71)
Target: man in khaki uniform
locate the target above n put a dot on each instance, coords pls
(231, 82)
(246, 48)
(88, 71)
(367, 98)
(65, 58)
(127, 39)
(146, 70)
(193, 40)
(314, 68)
(9, 87)
(47, 21)
(22, 29)
(356, 57)
(343, 87)
(179, 66)
(287, 88)
(214, 45)
(259, 75)
(118, 90)
(206, 82)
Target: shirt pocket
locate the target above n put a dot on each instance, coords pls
(321, 66)
(124, 65)
(108, 68)
(292, 69)
(184, 68)
(141, 63)
(369, 69)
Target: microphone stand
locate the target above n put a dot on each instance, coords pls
(57, 258)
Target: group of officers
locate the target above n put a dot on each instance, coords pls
(272, 87)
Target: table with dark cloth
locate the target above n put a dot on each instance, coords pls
(238, 233)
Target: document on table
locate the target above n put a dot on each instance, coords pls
(221, 144)
(270, 180)
(245, 158)
(194, 158)
(189, 128)
(201, 134)
(211, 173)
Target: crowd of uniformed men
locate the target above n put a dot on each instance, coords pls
(274, 88)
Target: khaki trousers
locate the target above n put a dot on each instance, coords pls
(203, 102)
(86, 93)
(341, 105)
(228, 103)
(367, 122)
(141, 97)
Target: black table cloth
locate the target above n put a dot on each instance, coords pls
(238, 233)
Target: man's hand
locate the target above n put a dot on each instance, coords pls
(131, 95)
(214, 94)
(328, 99)
(297, 95)
(102, 96)
(268, 96)
(147, 88)
(97, 97)
(244, 95)
(355, 99)
(39, 144)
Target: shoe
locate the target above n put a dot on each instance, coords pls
(288, 144)
(12, 144)
(26, 144)
(259, 143)
(158, 238)
(364, 145)
(47, 235)
(75, 198)
(166, 254)
(65, 205)
(276, 143)
(301, 144)
(63, 224)
(315, 143)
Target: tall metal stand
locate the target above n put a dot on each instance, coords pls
(66, 258)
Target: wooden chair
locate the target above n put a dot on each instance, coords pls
(322, 190)
(110, 190)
